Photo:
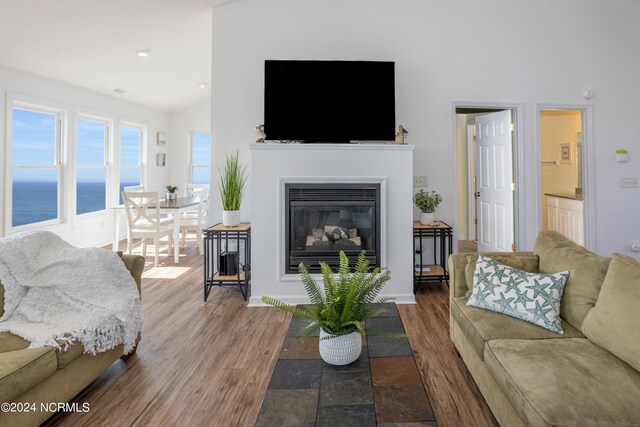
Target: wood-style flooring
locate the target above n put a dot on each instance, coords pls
(209, 363)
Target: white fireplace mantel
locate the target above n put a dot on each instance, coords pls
(274, 165)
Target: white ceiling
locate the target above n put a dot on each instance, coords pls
(92, 44)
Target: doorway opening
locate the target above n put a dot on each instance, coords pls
(485, 159)
(561, 172)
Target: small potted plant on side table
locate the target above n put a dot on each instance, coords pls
(427, 203)
(172, 194)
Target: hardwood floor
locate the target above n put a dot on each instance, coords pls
(209, 363)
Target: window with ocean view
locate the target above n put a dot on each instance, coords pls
(200, 158)
(130, 157)
(35, 151)
(91, 171)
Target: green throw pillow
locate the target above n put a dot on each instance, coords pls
(531, 297)
(614, 322)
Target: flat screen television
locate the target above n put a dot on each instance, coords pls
(329, 101)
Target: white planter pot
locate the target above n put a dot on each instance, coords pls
(340, 350)
(427, 218)
(230, 218)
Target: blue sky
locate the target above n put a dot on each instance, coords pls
(34, 144)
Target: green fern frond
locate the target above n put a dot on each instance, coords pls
(344, 301)
(288, 308)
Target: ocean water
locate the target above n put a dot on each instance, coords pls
(38, 201)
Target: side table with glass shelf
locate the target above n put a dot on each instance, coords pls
(227, 258)
(442, 236)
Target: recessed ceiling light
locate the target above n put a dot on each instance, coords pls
(203, 84)
(143, 53)
(120, 91)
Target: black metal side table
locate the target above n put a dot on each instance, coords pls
(227, 257)
(442, 235)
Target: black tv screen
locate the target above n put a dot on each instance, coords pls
(329, 101)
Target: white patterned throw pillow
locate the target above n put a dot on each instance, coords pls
(532, 297)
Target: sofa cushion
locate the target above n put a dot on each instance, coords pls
(10, 342)
(22, 369)
(521, 260)
(565, 382)
(532, 297)
(587, 271)
(614, 323)
(64, 357)
(480, 326)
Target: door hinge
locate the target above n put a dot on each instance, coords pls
(475, 179)
(513, 186)
(512, 127)
(475, 221)
(513, 247)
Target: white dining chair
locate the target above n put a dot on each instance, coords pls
(194, 221)
(133, 188)
(143, 217)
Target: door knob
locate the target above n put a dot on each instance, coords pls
(477, 194)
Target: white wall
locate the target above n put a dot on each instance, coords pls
(197, 118)
(524, 53)
(97, 231)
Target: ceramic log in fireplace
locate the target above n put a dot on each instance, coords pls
(324, 219)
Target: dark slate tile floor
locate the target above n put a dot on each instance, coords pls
(382, 388)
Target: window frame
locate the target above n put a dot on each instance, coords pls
(190, 164)
(108, 164)
(61, 114)
(142, 156)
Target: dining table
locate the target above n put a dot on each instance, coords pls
(174, 208)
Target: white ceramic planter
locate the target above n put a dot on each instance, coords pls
(340, 350)
(230, 218)
(427, 218)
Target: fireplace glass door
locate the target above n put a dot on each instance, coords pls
(323, 220)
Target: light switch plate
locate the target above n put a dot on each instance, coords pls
(420, 181)
(629, 182)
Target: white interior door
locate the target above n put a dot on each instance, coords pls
(471, 167)
(494, 195)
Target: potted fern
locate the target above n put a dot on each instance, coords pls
(427, 203)
(232, 181)
(340, 307)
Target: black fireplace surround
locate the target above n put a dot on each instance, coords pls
(324, 219)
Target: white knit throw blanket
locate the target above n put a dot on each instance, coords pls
(56, 294)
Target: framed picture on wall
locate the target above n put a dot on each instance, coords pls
(161, 159)
(162, 139)
(565, 153)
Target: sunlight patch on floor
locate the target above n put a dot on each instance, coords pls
(171, 272)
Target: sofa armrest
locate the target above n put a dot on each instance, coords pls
(135, 265)
(457, 280)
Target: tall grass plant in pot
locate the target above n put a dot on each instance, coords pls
(340, 307)
(233, 179)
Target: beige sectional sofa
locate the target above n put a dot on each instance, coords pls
(31, 377)
(529, 376)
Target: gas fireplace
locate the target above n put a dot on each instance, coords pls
(324, 219)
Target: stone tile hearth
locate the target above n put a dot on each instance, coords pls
(382, 388)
